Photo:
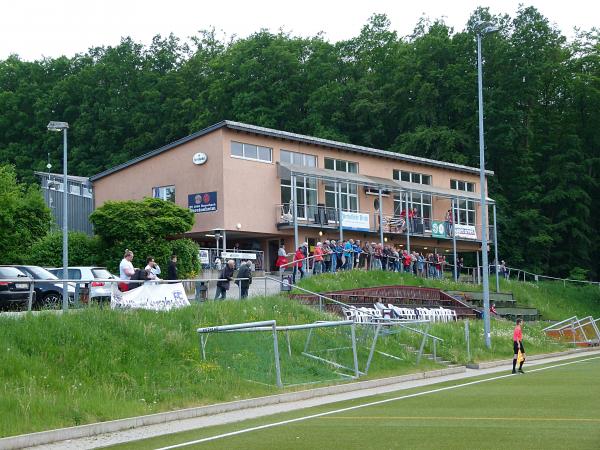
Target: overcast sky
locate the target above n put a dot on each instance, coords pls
(33, 29)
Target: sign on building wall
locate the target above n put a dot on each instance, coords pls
(202, 202)
(438, 229)
(355, 221)
(465, 231)
(204, 258)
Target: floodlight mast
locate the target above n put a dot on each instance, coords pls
(64, 126)
(482, 29)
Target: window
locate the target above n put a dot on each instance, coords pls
(459, 185)
(349, 190)
(466, 212)
(306, 187)
(251, 151)
(75, 189)
(415, 200)
(87, 192)
(412, 177)
(166, 193)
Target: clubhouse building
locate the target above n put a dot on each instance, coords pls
(242, 181)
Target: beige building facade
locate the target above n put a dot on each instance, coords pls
(238, 178)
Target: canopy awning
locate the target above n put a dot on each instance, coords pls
(286, 170)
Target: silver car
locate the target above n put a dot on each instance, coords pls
(91, 275)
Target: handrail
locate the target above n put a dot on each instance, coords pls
(380, 320)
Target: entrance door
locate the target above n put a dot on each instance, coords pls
(272, 256)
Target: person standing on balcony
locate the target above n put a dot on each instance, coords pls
(449, 223)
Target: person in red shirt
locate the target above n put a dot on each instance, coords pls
(518, 345)
(298, 257)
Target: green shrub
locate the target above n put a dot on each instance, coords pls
(188, 262)
(47, 252)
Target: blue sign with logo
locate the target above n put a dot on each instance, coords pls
(202, 202)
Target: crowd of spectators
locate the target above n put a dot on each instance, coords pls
(331, 256)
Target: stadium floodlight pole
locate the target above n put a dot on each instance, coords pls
(483, 28)
(64, 126)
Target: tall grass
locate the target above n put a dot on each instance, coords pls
(95, 365)
(553, 300)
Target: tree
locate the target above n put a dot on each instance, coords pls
(24, 217)
(144, 228)
(47, 252)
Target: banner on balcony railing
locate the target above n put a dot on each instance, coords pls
(465, 231)
(157, 297)
(439, 229)
(238, 255)
(355, 221)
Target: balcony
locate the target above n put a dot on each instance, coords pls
(327, 218)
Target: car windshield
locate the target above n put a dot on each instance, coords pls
(40, 273)
(102, 274)
(10, 273)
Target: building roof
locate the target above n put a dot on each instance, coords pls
(238, 126)
(285, 170)
(60, 176)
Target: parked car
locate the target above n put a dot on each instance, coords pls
(98, 290)
(48, 288)
(12, 292)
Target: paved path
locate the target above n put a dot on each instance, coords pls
(244, 414)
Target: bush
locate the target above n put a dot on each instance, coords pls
(188, 262)
(47, 252)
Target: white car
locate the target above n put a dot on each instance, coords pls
(99, 290)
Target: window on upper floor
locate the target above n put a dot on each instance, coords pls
(349, 191)
(306, 187)
(412, 177)
(460, 185)
(166, 193)
(251, 151)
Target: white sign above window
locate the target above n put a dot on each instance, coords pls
(199, 158)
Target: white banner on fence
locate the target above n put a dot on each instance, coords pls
(355, 221)
(465, 231)
(238, 255)
(157, 297)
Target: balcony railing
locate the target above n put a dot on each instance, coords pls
(320, 216)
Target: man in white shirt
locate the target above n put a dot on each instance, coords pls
(152, 268)
(126, 270)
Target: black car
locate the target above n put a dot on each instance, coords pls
(48, 287)
(12, 292)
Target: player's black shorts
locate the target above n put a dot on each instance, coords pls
(516, 346)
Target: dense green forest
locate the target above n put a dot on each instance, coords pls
(413, 94)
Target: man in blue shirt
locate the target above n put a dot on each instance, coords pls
(348, 253)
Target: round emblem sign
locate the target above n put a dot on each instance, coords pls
(199, 158)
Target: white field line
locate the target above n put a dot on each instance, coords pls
(351, 408)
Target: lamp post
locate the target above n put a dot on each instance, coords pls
(482, 29)
(64, 126)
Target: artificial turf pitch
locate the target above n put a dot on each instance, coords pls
(556, 407)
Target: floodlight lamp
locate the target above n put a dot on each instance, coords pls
(485, 28)
(57, 126)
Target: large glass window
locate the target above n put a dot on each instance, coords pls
(251, 151)
(306, 187)
(415, 200)
(412, 177)
(166, 193)
(349, 190)
(466, 212)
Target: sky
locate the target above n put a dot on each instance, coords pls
(35, 29)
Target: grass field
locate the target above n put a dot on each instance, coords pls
(551, 406)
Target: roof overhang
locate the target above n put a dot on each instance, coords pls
(285, 171)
